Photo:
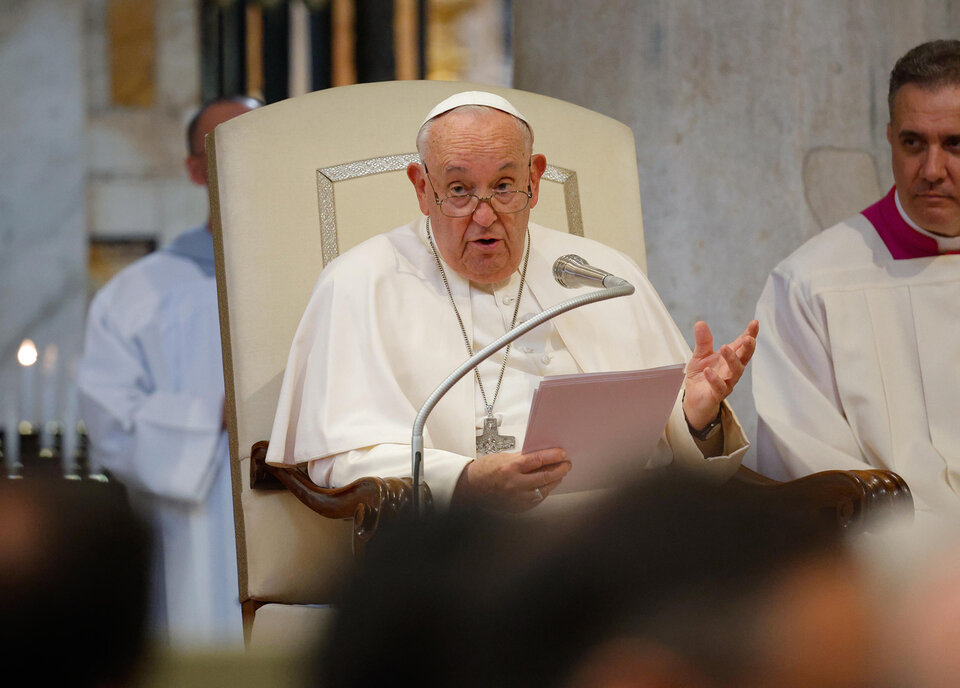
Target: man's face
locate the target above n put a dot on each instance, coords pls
(477, 154)
(924, 135)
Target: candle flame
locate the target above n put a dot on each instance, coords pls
(27, 355)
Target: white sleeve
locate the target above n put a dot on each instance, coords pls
(441, 469)
(801, 425)
(156, 436)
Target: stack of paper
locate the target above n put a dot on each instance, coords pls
(604, 421)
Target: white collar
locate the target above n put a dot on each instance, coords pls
(944, 243)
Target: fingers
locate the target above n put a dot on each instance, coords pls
(547, 469)
(746, 343)
(703, 339)
(546, 473)
(538, 494)
(540, 459)
(705, 357)
(735, 364)
(720, 386)
(545, 490)
(510, 481)
(751, 330)
(711, 376)
(745, 352)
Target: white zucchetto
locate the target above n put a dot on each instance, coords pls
(475, 98)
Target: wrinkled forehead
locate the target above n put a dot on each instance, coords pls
(472, 133)
(921, 103)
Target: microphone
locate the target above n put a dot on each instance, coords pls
(572, 271)
(579, 269)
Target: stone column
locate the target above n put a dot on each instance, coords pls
(42, 188)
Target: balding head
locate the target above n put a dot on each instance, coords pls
(207, 118)
(475, 103)
(212, 113)
(425, 135)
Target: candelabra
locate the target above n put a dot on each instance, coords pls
(29, 453)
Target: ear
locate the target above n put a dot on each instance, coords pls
(538, 165)
(197, 168)
(418, 177)
(889, 134)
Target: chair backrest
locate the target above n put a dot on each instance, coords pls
(295, 183)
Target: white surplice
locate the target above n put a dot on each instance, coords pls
(151, 395)
(858, 364)
(379, 335)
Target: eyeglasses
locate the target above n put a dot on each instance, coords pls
(463, 205)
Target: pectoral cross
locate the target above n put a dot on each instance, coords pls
(490, 441)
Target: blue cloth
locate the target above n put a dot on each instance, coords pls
(197, 245)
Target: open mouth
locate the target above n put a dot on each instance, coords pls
(487, 242)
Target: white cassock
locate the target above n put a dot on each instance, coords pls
(858, 359)
(380, 334)
(151, 395)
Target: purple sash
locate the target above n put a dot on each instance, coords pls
(902, 240)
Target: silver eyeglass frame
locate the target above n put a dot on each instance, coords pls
(481, 199)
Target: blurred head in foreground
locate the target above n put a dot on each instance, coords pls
(73, 582)
(670, 583)
(915, 575)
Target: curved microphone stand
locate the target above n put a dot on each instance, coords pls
(619, 287)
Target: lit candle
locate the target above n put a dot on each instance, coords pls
(11, 424)
(27, 356)
(48, 396)
(68, 447)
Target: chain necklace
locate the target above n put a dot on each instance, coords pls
(490, 441)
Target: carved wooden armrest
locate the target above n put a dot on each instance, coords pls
(370, 501)
(848, 499)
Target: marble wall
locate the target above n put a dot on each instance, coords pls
(731, 103)
(42, 198)
(73, 165)
(137, 185)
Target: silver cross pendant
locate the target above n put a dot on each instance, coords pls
(490, 441)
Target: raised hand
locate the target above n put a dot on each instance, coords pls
(711, 375)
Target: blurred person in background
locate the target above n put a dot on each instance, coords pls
(151, 394)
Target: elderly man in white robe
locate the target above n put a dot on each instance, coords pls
(151, 394)
(859, 365)
(389, 319)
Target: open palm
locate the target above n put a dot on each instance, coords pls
(712, 375)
